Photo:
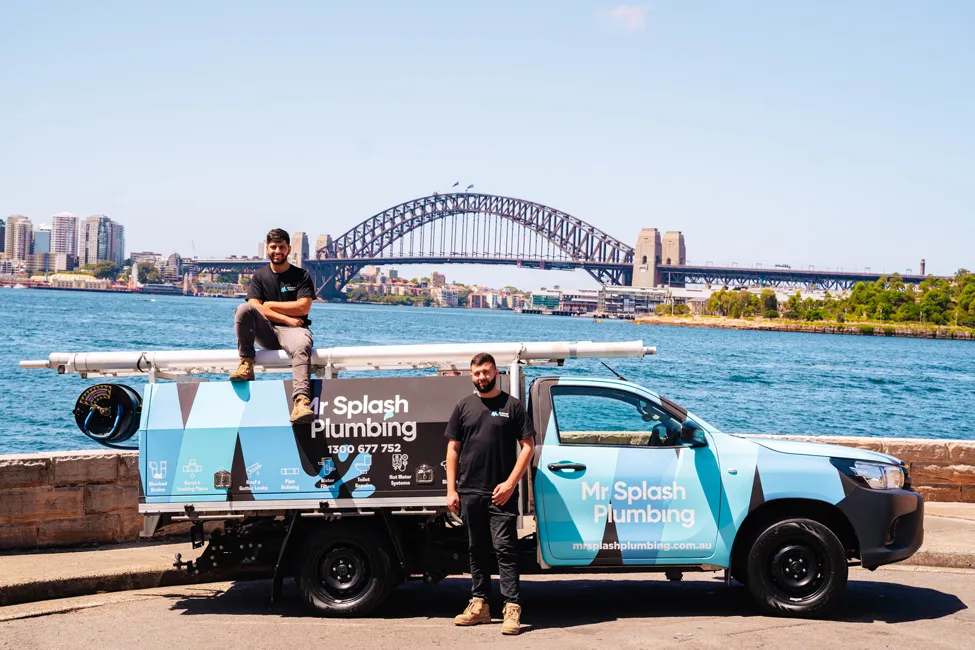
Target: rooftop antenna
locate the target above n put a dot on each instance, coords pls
(618, 375)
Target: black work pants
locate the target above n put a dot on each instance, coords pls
(494, 526)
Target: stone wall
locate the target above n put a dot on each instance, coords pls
(68, 498)
(91, 497)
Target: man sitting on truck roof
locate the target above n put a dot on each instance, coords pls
(275, 316)
(484, 430)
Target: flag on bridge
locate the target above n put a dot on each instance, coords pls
(456, 184)
(468, 187)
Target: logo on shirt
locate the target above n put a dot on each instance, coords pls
(499, 414)
(285, 288)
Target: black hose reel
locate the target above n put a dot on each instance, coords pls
(109, 414)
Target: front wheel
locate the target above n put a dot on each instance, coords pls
(344, 570)
(797, 567)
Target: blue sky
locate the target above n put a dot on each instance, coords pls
(826, 133)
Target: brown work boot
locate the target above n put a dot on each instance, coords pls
(512, 619)
(245, 371)
(477, 612)
(302, 413)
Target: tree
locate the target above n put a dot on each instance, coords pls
(148, 273)
(769, 302)
(228, 277)
(103, 270)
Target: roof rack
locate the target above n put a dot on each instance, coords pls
(328, 362)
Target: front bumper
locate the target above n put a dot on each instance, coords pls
(889, 524)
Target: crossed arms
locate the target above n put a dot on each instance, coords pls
(285, 313)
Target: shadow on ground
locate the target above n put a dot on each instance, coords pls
(571, 602)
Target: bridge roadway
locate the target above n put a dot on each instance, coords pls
(670, 275)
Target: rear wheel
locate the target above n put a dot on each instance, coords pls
(796, 567)
(344, 570)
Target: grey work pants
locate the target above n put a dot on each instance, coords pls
(253, 326)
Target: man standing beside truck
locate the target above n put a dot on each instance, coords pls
(491, 442)
(275, 316)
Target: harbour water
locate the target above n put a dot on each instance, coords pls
(740, 381)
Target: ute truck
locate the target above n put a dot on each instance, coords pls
(623, 479)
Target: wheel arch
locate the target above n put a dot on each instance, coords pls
(780, 509)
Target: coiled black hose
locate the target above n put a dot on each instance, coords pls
(109, 414)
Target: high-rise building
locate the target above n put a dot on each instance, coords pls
(64, 228)
(3, 233)
(99, 239)
(438, 279)
(323, 245)
(9, 234)
(42, 239)
(646, 257)
(262, 250)
(20, 239)
(299, 249)
(673, 248)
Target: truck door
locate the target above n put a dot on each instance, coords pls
(613, 483)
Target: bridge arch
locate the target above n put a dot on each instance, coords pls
(504, 223)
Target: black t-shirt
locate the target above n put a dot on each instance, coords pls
(489, 430)
(268, 286)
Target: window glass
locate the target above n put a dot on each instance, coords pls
(589, 415)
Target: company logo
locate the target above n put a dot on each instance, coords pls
(499, 414)
(285, 288)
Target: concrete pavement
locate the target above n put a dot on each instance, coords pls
(910, 607)
(40, 575)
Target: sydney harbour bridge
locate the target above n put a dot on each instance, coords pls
(472, 228)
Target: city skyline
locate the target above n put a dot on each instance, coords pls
(786, 133)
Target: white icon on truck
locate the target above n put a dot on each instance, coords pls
(158, 470)
(192, 468)
(400, 461)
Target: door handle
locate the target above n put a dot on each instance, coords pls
(558, 467)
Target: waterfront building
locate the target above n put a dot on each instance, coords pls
(369, 273)
(299, 249)
(262, 250)
(51, 262)
(12, 247)
(3, 236)
(445, 296)
(631, 300)
(172, 270)
(20, 244)
(101, 239)
(580, 301)
(64, 228)
(147, 257)
(42, 239)
(438, 279)
(72, 281)
(545, 299)
(393, 274)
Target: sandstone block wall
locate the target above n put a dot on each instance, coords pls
(68, 498)
(91, 497)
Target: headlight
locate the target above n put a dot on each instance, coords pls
(879, 476)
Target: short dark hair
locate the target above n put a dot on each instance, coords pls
(277, 234)
(482, 358)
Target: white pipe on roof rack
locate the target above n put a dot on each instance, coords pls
(384, 357)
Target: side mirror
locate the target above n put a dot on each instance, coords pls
(692, 435)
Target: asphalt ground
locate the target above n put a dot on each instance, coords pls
(903, 607)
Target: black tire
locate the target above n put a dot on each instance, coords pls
(344, 570)
(797, 567)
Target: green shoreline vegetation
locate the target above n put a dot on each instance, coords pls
(887, 307)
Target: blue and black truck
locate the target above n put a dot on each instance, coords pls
(354, 503)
